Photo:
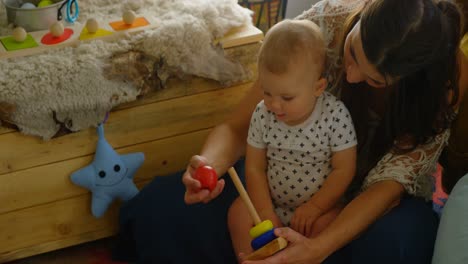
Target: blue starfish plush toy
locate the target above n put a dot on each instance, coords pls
(110, 175)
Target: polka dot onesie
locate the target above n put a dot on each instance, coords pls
(299, 157)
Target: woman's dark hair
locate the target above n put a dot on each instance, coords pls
(463, 4)
(415, 44)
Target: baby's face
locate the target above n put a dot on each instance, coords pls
(290, 96)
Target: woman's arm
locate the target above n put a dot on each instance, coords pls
(227, 142)
(223, 147)
(359, 214)
(393, 176)
(355, 218)
(257, 182)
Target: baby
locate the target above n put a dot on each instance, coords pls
(301, 150)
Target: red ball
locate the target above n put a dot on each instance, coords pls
(207, 176)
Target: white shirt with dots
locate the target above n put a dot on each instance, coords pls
(299, 157)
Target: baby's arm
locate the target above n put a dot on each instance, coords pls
(257, 184)
(343, 170)
(322, 207)
(256, 165)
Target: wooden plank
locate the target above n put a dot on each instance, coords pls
(49, 183)
(54, 245)
(241, 36)
(123, 128)
(4, 130)
(64, 218)
(52, 222)
(68, 222)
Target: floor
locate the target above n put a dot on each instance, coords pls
(96, 252)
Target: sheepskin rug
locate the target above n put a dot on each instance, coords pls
(72, 88)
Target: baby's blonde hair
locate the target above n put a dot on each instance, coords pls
(292, 41)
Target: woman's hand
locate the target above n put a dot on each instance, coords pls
(194, 193)
(299, 250)
(304, 218)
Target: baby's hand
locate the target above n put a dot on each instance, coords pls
(304, 218)
(194, 193)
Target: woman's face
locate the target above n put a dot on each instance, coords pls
(357, 67)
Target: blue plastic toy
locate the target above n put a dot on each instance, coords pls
(109, 176)
(72, 11)
(263, 239)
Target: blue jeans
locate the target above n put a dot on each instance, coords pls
(157, 227)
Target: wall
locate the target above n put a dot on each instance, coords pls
(296, 7)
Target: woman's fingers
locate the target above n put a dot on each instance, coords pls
(193, 191)
(197, 161)
(216, 191)
(196, 197)
(288, 234)
(287, 255)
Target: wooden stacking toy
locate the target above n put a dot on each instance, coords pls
(265, 243)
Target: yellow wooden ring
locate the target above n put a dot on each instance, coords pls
(261, 228)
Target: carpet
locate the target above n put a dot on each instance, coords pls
(72, 88)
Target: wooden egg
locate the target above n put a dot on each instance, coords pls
(129, 17)
(57, 29)
(92, 25)
(45, 3)
(19, 34)
(28, 6)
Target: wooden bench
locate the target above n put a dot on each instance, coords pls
(41, 210)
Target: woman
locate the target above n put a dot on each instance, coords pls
(398, 73)
(386, 225)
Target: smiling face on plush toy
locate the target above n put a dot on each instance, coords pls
(110, 174)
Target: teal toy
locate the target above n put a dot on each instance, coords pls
(109, 176)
